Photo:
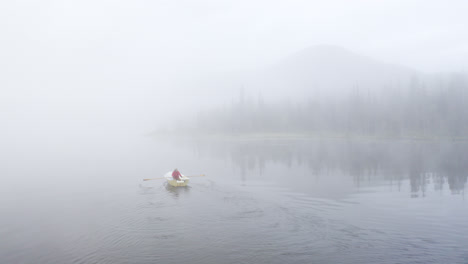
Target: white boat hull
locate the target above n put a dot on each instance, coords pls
(176, 183)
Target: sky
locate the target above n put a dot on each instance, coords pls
(174, 35)
(91, 61)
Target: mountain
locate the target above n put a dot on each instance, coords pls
(327, 70)
(319, 71)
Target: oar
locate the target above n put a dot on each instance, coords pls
(201, 175)
(154, 178)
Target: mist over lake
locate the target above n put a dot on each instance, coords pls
(267, 201)
(233, 132)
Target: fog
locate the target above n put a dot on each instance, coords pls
(118, 65)
(326, 132)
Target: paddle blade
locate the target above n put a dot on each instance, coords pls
(153, 179)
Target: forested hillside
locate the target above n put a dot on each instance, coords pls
(425, 108)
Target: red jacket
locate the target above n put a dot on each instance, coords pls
(176, 175)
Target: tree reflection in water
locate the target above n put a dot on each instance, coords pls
(420, 162)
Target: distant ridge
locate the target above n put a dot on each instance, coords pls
(319, 72)
(328, 70)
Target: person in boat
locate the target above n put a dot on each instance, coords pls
(176, 174)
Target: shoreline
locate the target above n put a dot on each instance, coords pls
(301, 136)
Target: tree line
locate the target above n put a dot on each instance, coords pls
(436, 108)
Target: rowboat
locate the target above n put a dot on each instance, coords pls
(173, 182)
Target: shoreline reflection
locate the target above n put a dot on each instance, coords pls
(422, 163)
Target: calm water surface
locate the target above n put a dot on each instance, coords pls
(302, 201)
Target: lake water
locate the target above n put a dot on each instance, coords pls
(261, 201)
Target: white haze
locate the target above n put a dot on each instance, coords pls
(86, 69)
